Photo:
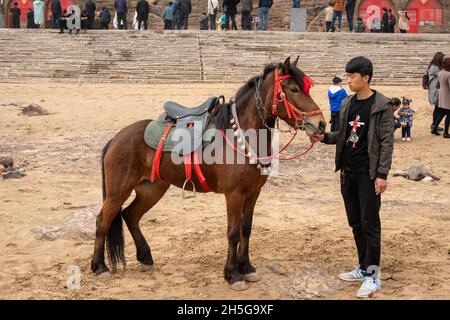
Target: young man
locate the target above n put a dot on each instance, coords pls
(143, 10)
(91, 8)
(338, 9)
(213, 9)
(121, 10)
(350, 12)
(263, 14)
(15, 11)
(364, 146)
(168, 16)
(335, 96)
(246, 14)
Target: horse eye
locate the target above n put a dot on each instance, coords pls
(295, 89)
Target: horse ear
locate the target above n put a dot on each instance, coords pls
(296, 61)
(287, 65)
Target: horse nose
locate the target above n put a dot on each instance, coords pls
(322, 126)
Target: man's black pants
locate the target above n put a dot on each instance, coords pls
(122, 21)
(363, 213)
(334, 120)
(142, 20)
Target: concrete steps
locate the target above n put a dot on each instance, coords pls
(194, 56)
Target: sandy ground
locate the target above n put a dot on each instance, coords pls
(300, 239)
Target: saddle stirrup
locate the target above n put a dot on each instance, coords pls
(183, 192)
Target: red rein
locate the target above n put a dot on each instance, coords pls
(291, 111)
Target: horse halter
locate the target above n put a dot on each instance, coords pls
(291, 110)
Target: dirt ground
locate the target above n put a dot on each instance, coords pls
(300, 240)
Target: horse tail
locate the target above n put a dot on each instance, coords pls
(105, 149)
(115, 242)
(114, 239)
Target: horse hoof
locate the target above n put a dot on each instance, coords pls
(104, 274)
(101, 270)
(146, 268)
(239, 286)
(252, 277)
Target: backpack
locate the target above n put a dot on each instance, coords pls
(393, 20)
(426, 81)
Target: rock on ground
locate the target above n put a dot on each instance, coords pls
(34, 110)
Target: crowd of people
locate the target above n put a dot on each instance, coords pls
(175, 15)
(218, 15)
(377, 22)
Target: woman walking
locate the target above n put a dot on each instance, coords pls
(443, 84)
(433, 93)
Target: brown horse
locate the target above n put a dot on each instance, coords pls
(127, 163)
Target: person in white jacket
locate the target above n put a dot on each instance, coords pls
(329, 17)
(39, 8)
(213, 8)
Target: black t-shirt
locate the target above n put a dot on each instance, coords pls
(355, 156)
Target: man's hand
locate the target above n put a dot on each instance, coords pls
(403, 124)
(316, 138)
(380, 186)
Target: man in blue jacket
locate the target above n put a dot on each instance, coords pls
(263, 13)
(335, 95)
(122, 10)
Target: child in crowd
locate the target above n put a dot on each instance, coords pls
(359, 26)
(321, 26)
(204, 21)
(406, 115)
(222, 21)
(336, 94)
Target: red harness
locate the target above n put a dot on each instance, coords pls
(291, 111)
(188, 160)
(280, 96)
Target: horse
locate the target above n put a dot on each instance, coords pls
(280, 92)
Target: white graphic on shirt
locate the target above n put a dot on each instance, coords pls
(355, 124)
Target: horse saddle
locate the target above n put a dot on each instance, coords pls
(190, 132)
(176, 111)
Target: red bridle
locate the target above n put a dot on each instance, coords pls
(280, 96)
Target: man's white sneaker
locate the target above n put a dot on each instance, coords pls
(356, 275)
(403, 139)
(368, 287)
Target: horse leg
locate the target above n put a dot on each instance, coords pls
(147, 195)
(245, 267)
(109, 212)
(235, 202)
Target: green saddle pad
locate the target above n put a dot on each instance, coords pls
(155, 130)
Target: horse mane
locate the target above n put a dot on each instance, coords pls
(222, 112)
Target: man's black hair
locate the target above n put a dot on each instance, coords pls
(336, 80)
(395, 102)
(360, 65)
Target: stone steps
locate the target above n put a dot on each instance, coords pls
(194, 56)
